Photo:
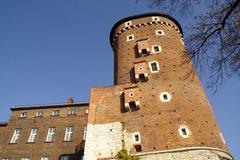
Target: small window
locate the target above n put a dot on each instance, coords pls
(128, 23)
(55, 113)
(33, 135)
(154, 66)
(68, 133)
(51, 134)
(39, 114)
(184, 131)
(72, 112)
(86, 112)
(84, 132)
(6, 158)
(25, 158)
(65, 158)
(182, 41)
(130, 37)
(156, 49)
(160, 32)
(131, 94)
(16, 135)
(155, 19)
(165, 97)
(136, 138)
(23, 115)
(44, 158)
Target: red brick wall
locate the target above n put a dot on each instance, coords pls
(157, 122)
(40, 147)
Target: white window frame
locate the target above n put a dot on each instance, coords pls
(72, 112)
(134, 140)
(23, 115)
(44, 158)
(6, 158)
(33, 135)
(150, 66)
(128, 23)
(39, 114)
(64, 157)
(159, 34)
(159, 47)
(84, 132)
(51, 134)
(25, 158)
(16, 135)
(69, 133)
(128, 37)
(56, 113)
(188, 132)
(162, 97)
(155, 19)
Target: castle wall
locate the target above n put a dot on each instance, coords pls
(164, 110)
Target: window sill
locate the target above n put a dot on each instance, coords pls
(48, 141)
(30, 142)
(68, 141)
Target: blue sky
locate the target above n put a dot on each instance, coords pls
(54, 49)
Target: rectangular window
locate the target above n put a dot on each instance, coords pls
(64, 158)
(51, 134)
(6, 158)
(55, 113)
(154, 66)
(25, 158)
(72, 112)
(69, 133)
(39, 114)
(136, 138)
(33, 135)
(23, 115)
(84, 132)
(44, 158)
(16, 135)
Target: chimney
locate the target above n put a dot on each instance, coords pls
(70, 100)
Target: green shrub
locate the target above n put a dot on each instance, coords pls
(123, 155)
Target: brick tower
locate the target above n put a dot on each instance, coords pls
(151, 110)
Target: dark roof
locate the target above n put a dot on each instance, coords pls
(3, 123)
(15, 108)
(140, 16)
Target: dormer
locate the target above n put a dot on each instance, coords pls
(131, 98)
(141, 71)
(143, 47)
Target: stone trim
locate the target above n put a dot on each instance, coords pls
(186, 149)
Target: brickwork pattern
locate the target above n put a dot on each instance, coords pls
(53, 150)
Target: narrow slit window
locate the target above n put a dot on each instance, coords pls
(159, 32)
(165, 97)
(184, 131)
(136, 138)
(155, 19)
(130, 37)
(128, 23)
(156, 49)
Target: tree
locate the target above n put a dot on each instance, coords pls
(214, 40)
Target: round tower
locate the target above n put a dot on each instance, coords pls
(171, 113)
